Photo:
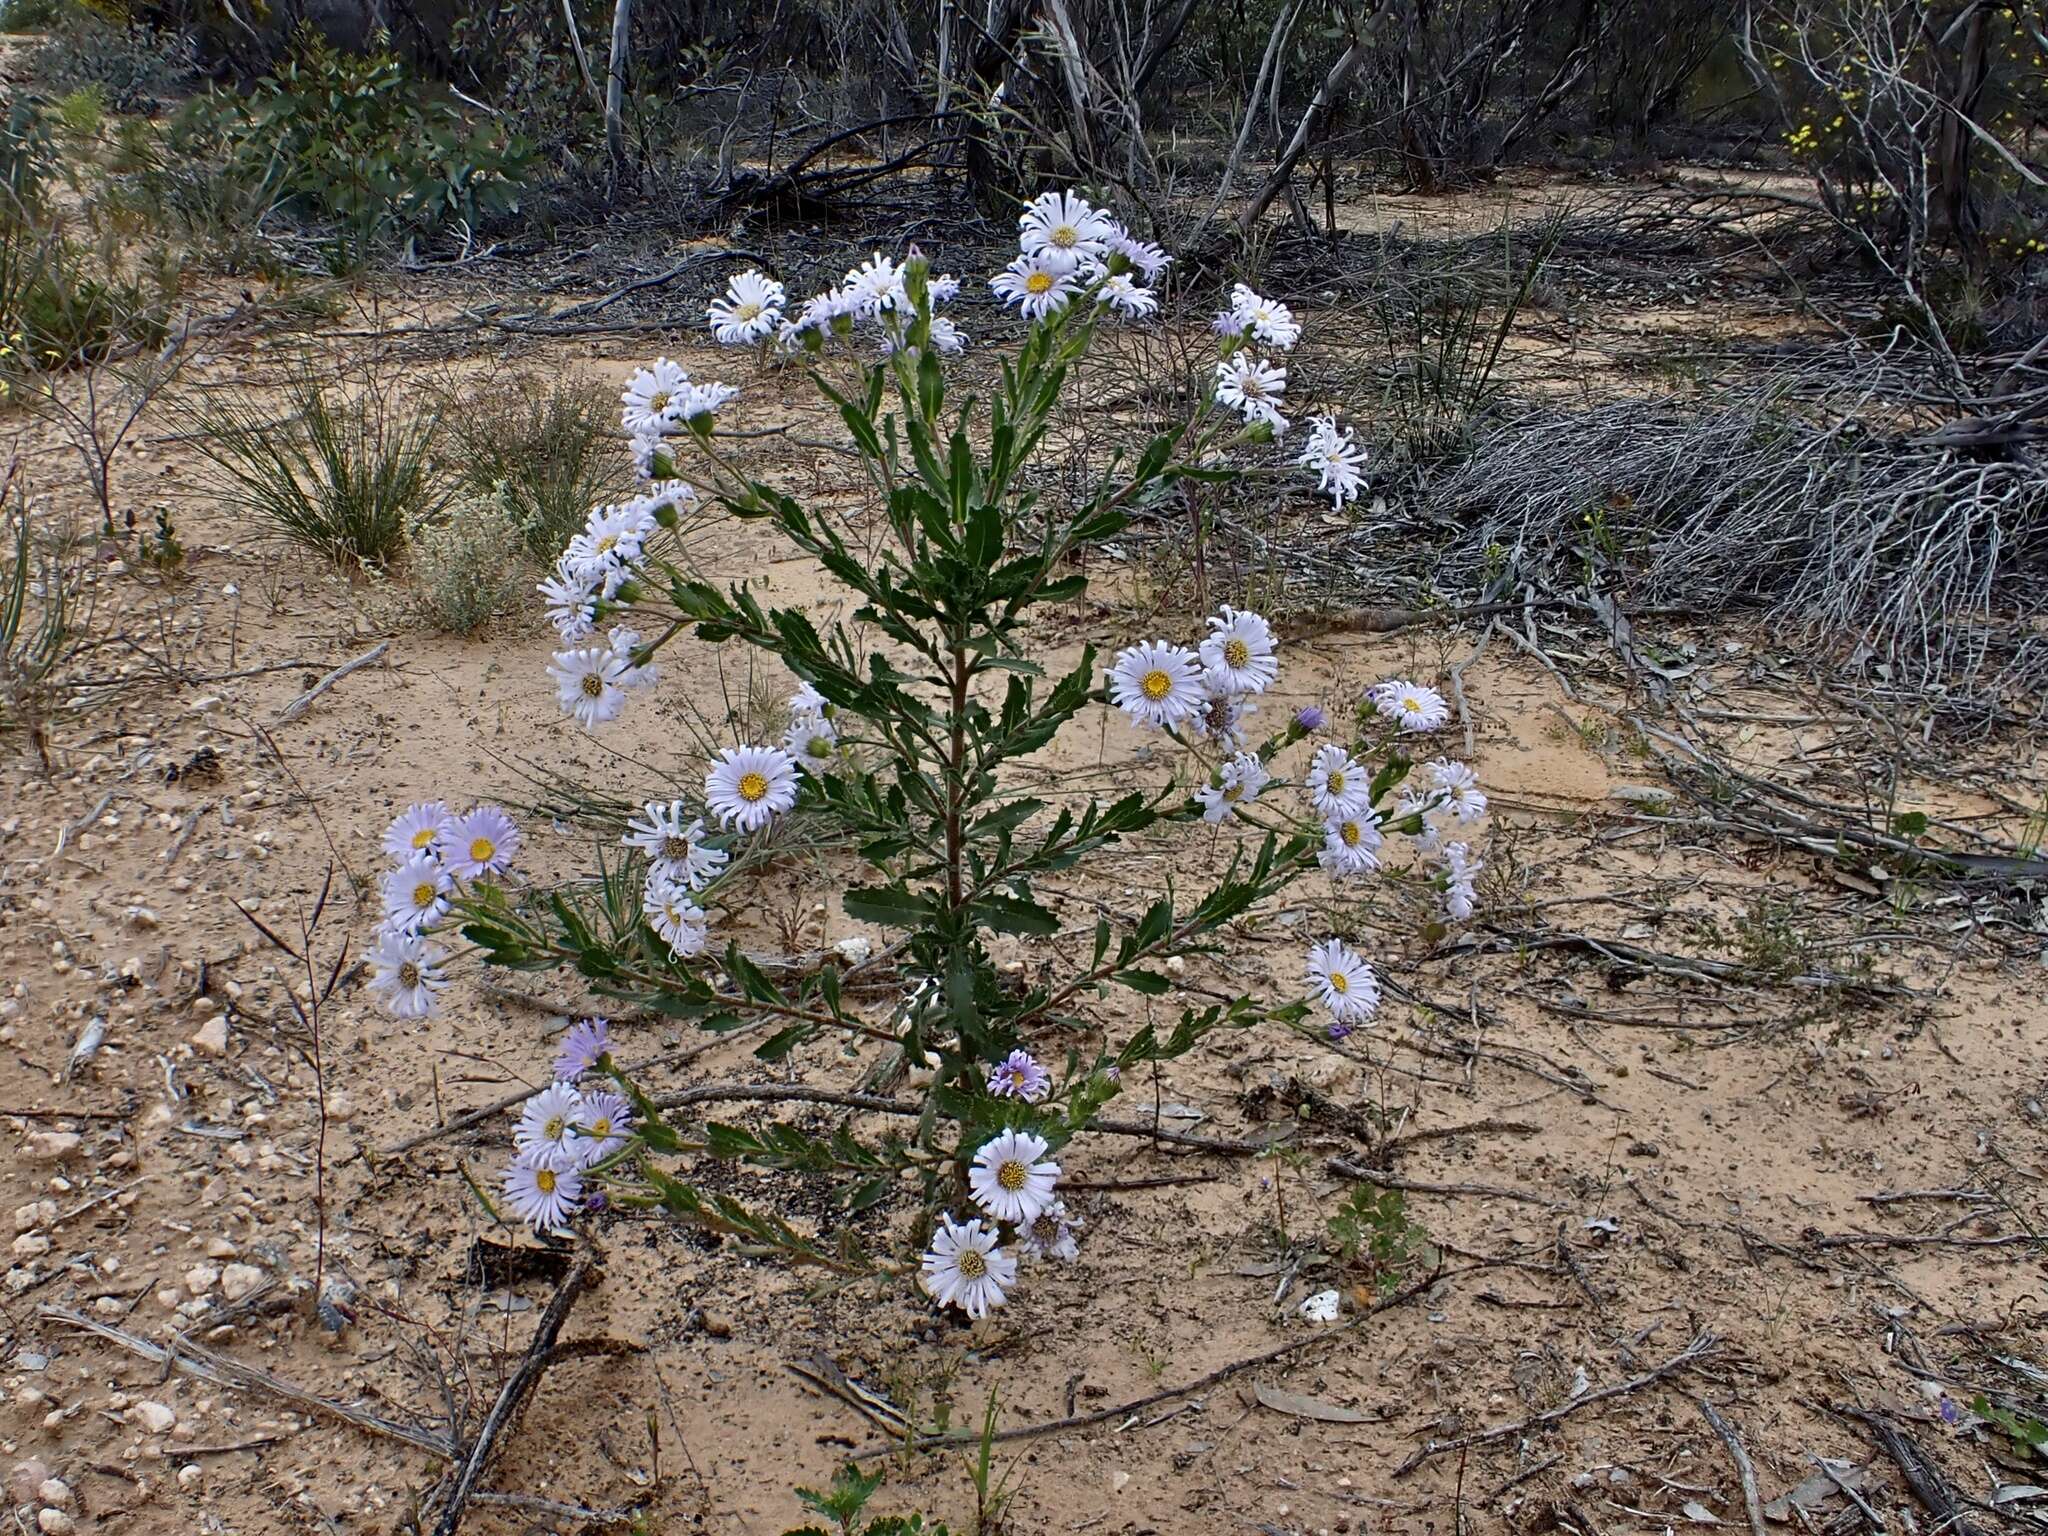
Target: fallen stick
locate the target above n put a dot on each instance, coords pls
(1745, 1469)
(1201, 1383)
(1927, 1483)
(197, 1360)
(513, 1393)
(1684, 1360)
(304, 701)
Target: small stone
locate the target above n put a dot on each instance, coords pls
(717, 1325)
(54, 1522)
(190, 1476)
(340, 1107)
(109, 1306)
(25, 1479)
(220, 1248)
(201, 1278)
(211, 1038)
(238, 1280)
(55, 1490)
(152, 1416)
(52, 1146)
(31, 1245)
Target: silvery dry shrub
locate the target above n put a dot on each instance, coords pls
(908, 722)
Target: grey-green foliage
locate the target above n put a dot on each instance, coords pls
(465, 564)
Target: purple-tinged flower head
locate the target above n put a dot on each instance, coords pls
(1018, 1076)
(1113, 1072)
(1309, 718)
(1339, 1031)
(586, 1042)
(595, 1201)
(1951, 1411)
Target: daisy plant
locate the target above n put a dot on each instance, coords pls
(910, 724)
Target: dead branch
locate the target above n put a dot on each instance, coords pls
(304, 701)
(1745, 1469)
(1701, 1348)
(513, 1394)
(197, 1360)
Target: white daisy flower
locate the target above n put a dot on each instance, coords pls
(670, 912)
(1019, 1076)
(1124, 296)
(610, 543)
(1008, 1178)
(943, 288)
(589, 684)
(1220, 720)
(1034, 287)
(673, 841)
(1238, 782)
(572, 604)
(1338, 784)
(749, 309)
(647, 448)
(673, 496)
(417, 829)
(652, 397)
(1062, 230)
(406, 969)
(874, 288)
(1147, 259)
(1157, 683)
(1351, 846)
(1238, 652)
(750, 786)
(1050, 1234)
(813, 742)
(482, 842)
(1229, 324)
(703, 401)
(1409, 705)
(603, 1127)
(1344, 983)
(1268, 319)
(1252, 387)
(546, 1133)
(964, 1268)
(1461, 877)
(808, 701)
(1322, 1307)
(416, 894)
(1463, 800)
(1336, 458)
(624, 642)
(541, 1195)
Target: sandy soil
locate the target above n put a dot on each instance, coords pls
(1818, 1170)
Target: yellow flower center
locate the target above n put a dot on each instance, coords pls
(1339, 982)
(1411, 705)
(601, 1127)
(1065, 237)
(544, 1180)
(554, 1128)
(1252, 385)
(607, 544)
(675, 849)
(1348, 834)
(971, 1263)
(658, 401)
(753, 786)
(1335, 782)
(1156, 684)
(424, 838)
(1236, 652)
(747, 312)
(482, 850)
(1038, 282)
(593, 686)
(423, 895)
(408, 974)
(1233, 792)
(1012, 1175)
